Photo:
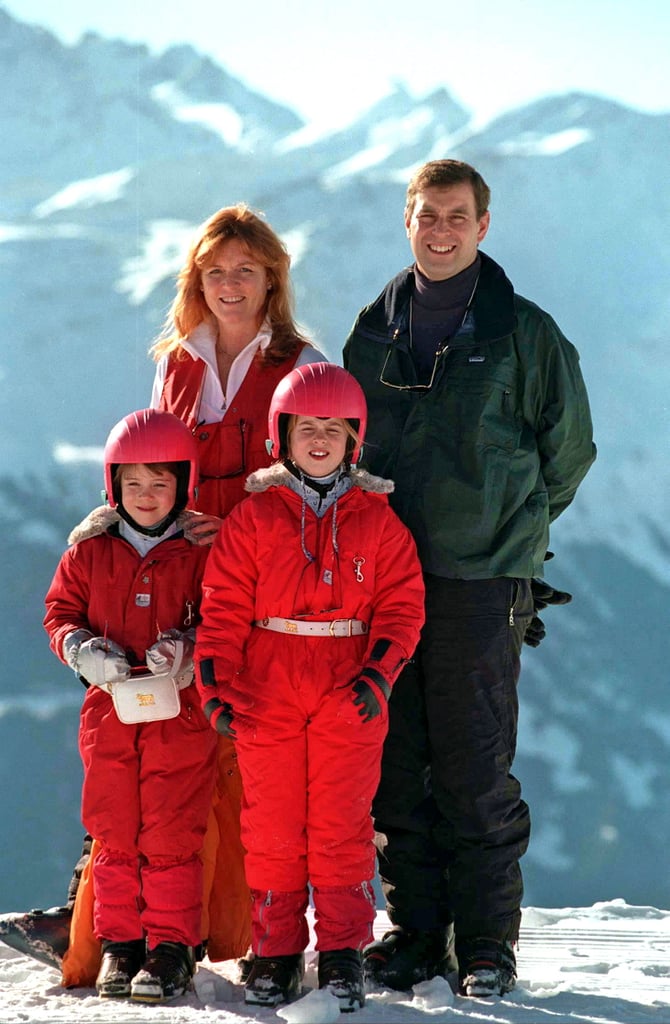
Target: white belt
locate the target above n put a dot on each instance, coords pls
(302, 627)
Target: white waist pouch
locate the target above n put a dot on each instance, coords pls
(145, 698)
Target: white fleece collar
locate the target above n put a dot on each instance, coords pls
(278, 476)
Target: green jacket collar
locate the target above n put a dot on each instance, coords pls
(493, 312)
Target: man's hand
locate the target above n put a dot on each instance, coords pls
(543, 595)
(535, 633)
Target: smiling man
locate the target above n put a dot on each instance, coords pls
(445, 227)
(478, 412)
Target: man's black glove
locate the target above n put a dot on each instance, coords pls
(543, 595)
(535, 633)
(367, 698)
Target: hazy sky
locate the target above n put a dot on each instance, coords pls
(329, 61)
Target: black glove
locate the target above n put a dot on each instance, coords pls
(223, 722)
(535, 633)
(543, 595)
(366, 698)
(220, 715)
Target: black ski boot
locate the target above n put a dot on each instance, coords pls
(487, 967)
(120, 963)
(341, 972)
(167, 973)
(43, 935)
(274, 979)
(405, 957)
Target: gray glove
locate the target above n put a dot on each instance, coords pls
(172, 655)
(98, 660)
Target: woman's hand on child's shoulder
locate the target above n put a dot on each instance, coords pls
(200, 527)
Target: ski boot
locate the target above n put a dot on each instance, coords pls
(341, 972)
(274, 979)
(406, 956)
(487, 967)
(167, 973)
(120, 963)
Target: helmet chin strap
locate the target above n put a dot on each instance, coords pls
(150, 531)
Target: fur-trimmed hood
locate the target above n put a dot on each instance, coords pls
(278, 475)
(101, 518)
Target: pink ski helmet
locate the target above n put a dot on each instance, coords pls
(152, 436)
(317, 389)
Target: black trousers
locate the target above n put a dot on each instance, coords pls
(450, 822)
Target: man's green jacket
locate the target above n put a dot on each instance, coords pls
(485, 458)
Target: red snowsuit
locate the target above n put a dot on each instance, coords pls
(228, 451)
(309, 763)
(148, 787)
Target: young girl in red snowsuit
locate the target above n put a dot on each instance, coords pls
(312, 603)
(126, 594)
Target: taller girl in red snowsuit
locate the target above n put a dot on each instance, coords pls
(312, 603)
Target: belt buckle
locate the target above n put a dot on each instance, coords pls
(333, 624)
(290, 626)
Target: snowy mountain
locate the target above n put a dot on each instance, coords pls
(609, 962)
(104, 104)
(111, 157)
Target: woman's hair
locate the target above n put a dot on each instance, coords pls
(353, 438)
(262, 244)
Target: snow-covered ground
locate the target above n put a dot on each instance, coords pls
(602, 964)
